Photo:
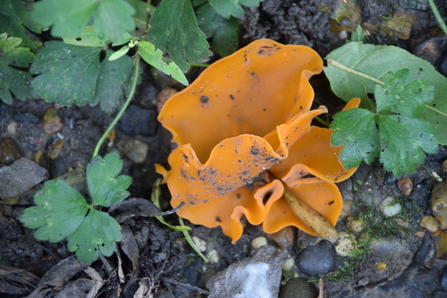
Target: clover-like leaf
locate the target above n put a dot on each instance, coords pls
(12, 79)
(154, 57)
(404, 141)
(357, 130)
(59, 212)
(105, 186)
(111, 18)
(174, 28)
(98, 232)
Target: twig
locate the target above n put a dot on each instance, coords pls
(177, 283)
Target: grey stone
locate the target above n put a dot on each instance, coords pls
(135, 150)
(19, 177)
(298, 288)
(316, 260)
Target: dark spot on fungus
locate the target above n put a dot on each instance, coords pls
(254, 150)
(218, 219)
(204, 99)
(238, 196)
(231, 96)
(186, 158)
(330, 203)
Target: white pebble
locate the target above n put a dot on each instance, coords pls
(288, 265)
(389, 207)
(200, 243)
(213, 256)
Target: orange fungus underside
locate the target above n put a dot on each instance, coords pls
(240, 126)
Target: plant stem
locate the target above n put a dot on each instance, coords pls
(191, 242)
(438, 16)
(350, 70)
(123, 108)
(322, 122)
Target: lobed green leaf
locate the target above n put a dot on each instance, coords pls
(98, 233)
(174, 28)
(233, 8)
(356, 129)
(59, 212)
(13, 80)
(105, 186)
(404, 141)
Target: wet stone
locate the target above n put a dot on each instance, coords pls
(431, 46)
(414, 4)
(443, 278)
(135, 150)
(317, 260)
(137, 121)
(285, 237)
(298, 288)
(9, 151)
(26, 117)
(55, 149)
(19, 177)
(52, 122)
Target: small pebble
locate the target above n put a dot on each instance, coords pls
(285, 237)
(430, 223)
(200, 243)
(389, 207)
(317, 260)
(288, 265)
(213, 256)
(345, 244)
(12, 128)
(355, 225)
(55, 149)
(399, 25)
(298, 288)
(137, 121)
(405, 185)
(135, 150)
(381, 266)
(258, 242)
(9, 151)
(52, 122)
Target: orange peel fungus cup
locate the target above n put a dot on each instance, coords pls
(244, 138)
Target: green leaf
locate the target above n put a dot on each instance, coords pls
(403, 98)
(224, 31)
(111, 18)
(154, 57)
(59, 212)
(376, 61)
(357, 130)
(120, 53)
(113, 76)
(87, 38)
(15, 20)
(12, 79)
(105, 186)
(140, 16)
(99, 231)
(404, 141)
(174, 28)
(233, 8)
(68, 73)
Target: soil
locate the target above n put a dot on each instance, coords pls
(153, 258)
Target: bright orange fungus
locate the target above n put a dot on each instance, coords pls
(242, 125)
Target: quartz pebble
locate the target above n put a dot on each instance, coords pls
(200, 243)
(258, 242)
(9, 151)
(288, 265)
(389, 207)
(346, 244)
(12, 128)
(355, 225)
